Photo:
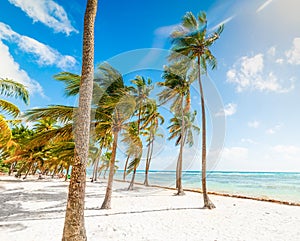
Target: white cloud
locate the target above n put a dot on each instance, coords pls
(248, 141)
(286, 152)
(235, 154)
(273, 130)
(229, 109)
(264, 5)
(11, 70)
(279, 61)
(293, 55)
(248, 74)
(47, 12)
(43, 54)
(253, 124)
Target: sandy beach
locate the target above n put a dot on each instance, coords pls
(34, 210)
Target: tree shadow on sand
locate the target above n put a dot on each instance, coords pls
(11, 203)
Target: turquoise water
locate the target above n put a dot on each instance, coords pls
(284, 186)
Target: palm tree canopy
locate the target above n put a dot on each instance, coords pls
(190, 127)
(191, 40)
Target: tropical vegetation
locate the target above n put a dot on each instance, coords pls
(63, 139)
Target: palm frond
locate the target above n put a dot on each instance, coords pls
(9, 108)
(14, 89)
(61, 113)
(71, 81)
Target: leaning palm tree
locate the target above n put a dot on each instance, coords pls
(115, 122)
(74, 228)
(140, 91)
(114, 109)
(191, 40)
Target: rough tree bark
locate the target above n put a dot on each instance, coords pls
(74, 229)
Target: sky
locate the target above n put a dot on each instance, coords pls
(256, 83)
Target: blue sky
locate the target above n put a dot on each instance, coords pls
(257, 76)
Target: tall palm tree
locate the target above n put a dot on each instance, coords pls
(140, 91)
(191, 40)
(177, 88)
(74, 228)
(114, 108)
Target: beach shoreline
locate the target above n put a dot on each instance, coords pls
(221, 194)
(33, 209)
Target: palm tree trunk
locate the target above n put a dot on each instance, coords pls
(95, 173)
(96, 165)
(74, 228)
(207, 203)
(132, 179)
(125, 167)
(147, 162)
(29, 168)
(107, 200)
(19, 173)
(104, 172)
(94, 170)
(11, 168)
(179, 163)
(67, 172)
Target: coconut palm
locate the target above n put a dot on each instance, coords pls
(151, 120)
(114, 109)
(140, 91)
(135, 148)
(74, 228)
(191, 40)
(130, 130)
(18, 143)
(177, 88)
(10, 88)
(105, 160)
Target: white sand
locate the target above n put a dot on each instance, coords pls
(34, 210)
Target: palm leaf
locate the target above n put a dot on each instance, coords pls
(61, 113)
(14, 89)
(9, 108)
(71, 81)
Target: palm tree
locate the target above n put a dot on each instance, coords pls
(140, 91)
(10, 88)
(74, 228)
(130, 130)
(17, 146)
(135, 148)
(114, 108)
(191, 40)
(152, 119)
(105, 160)
(177, 88)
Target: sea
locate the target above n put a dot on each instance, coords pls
(282, 186)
